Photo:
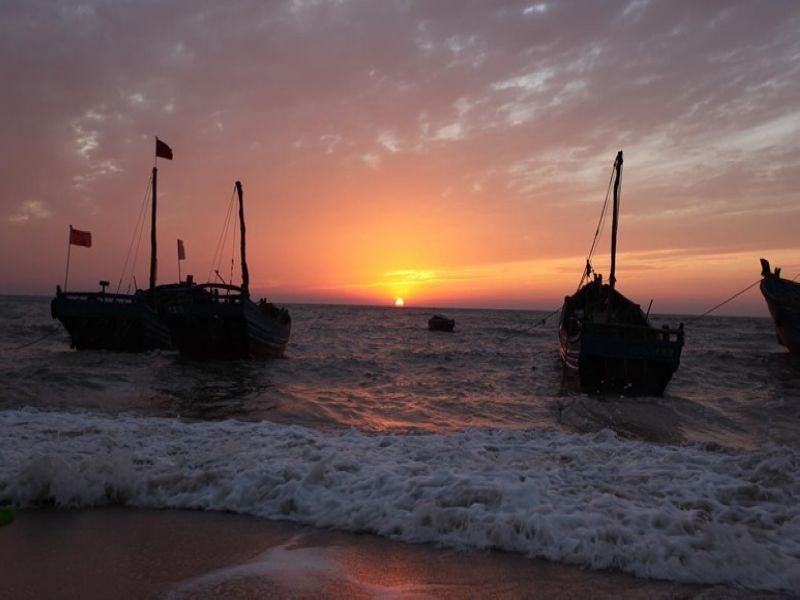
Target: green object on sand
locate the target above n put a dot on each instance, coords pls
(7, 516)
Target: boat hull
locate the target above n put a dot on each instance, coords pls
(633, 360)
(114, 322)
(783, 301)
(204, 326)
(607, 342)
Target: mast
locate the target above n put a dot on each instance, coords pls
(245, 273)
(153, 260)
(612, 279)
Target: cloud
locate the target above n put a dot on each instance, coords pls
(533, 9)
(451, 132)
(372, 160)
(389, 140)
(30, 210)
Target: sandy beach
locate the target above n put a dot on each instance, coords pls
(132, 553)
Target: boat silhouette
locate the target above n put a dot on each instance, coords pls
(607, 340)
(220, 321)
(113, 321)
(783, 300)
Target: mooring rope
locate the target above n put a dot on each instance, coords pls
(736, 295)
(546, 318)
(36, 341)
(723, 303)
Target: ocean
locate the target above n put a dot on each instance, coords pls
(468, 440)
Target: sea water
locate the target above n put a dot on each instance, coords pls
(470, 440)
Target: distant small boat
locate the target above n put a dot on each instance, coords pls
(607, 339)
(783, 300)
(111, 321)
(219, 320)
(441, 323)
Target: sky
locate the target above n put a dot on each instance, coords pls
(452, 153)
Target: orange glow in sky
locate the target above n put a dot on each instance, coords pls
(443, 153)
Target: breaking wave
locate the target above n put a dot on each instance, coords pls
(692, 513)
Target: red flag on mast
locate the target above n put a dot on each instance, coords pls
(162, 150)
(80, 238)
(181, 251)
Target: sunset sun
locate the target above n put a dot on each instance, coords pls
(399, 302)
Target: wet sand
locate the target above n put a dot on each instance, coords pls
(132, 553)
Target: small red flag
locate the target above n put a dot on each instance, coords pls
(181, 251)
(162, 150)
(80, 238)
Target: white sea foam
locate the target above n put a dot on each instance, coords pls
(684, 513)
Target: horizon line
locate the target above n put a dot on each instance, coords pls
(426, 307)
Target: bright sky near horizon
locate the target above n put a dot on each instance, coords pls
(451, 153)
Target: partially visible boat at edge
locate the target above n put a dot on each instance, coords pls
(783, 300)
(607, 340)
(441, 323)
(219, 320)
(118, 322)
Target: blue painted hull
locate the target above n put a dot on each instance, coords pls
(616, 358)
(616, 352)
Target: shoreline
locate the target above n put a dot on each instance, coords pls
(135, 553)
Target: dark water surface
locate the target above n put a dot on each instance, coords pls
(380, 370)
(372, 423)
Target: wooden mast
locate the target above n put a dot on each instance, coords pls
(245, 273)
(153, 253)
(612, 279)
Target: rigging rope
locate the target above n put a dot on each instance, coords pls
(597, 232)
(138, 228)
(233, 245)
(136, 256)
(217, 258)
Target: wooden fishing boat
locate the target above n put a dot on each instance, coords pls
(219, 320)
(107, 321)
(441, 323)
(113, 321)
(607, 340)
(783, 301)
